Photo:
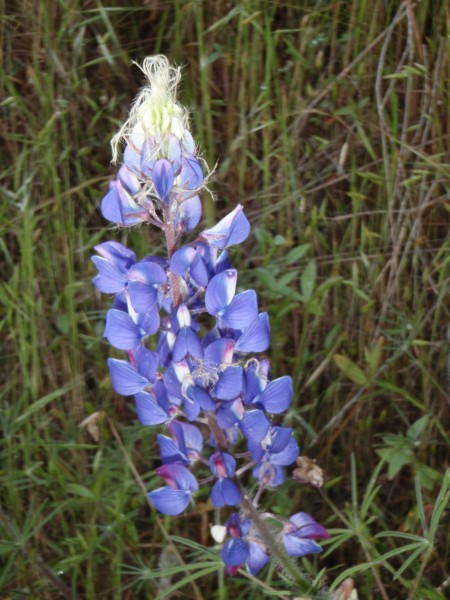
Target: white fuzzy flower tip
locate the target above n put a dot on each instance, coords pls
(155, 111)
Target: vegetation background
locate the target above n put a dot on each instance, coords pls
(329, 122)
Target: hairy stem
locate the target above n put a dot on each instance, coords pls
(171, 243)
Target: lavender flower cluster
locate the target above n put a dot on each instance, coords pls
(203, 383)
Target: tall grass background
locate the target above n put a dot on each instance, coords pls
(328, 121)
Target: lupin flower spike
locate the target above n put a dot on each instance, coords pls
(207, 388)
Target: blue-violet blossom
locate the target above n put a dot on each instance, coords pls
(210, 378)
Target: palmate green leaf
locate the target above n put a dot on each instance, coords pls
(350, 369)
(417, 428)
(396, 460)
(414, 556)
(423, 545)
(427, 475)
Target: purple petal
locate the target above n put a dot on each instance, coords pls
(109, 279)
(229, 385)
(230, 492)
(256, 376)
(132, 152)
(255, 425)
(217, 499)
(279, 439)
(121, 331)
(129, 180)
(225, 492)
(287, 456)
(223, 262)
(148, 410)
(257, 558)
(256, 450)
(149, 321)
(191, 174)
(146, 362)
(169, 501)
(235, 552)
(220, 291)
(143, 297)
(277, 396)
(307, 527)
(198, 272)
(169, 451)
(111, 206)
(163, 178)
(186, 343)
(117, 254)
(147, 272)
(300, 547)
(178, 476)
(232, 229)
(222, 464)
(269, 474)
(189, 213)
(174, 376)
(119, 207)
(226, 417)
(182, 259)
(255, 338)
(220, 351)
(192, 436)
(131, 159)
(202, 397)
(191, 408)
(126, 381)
(242, 311)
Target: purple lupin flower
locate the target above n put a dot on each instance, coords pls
(299, 534)
(206, 382)
(242, 548)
